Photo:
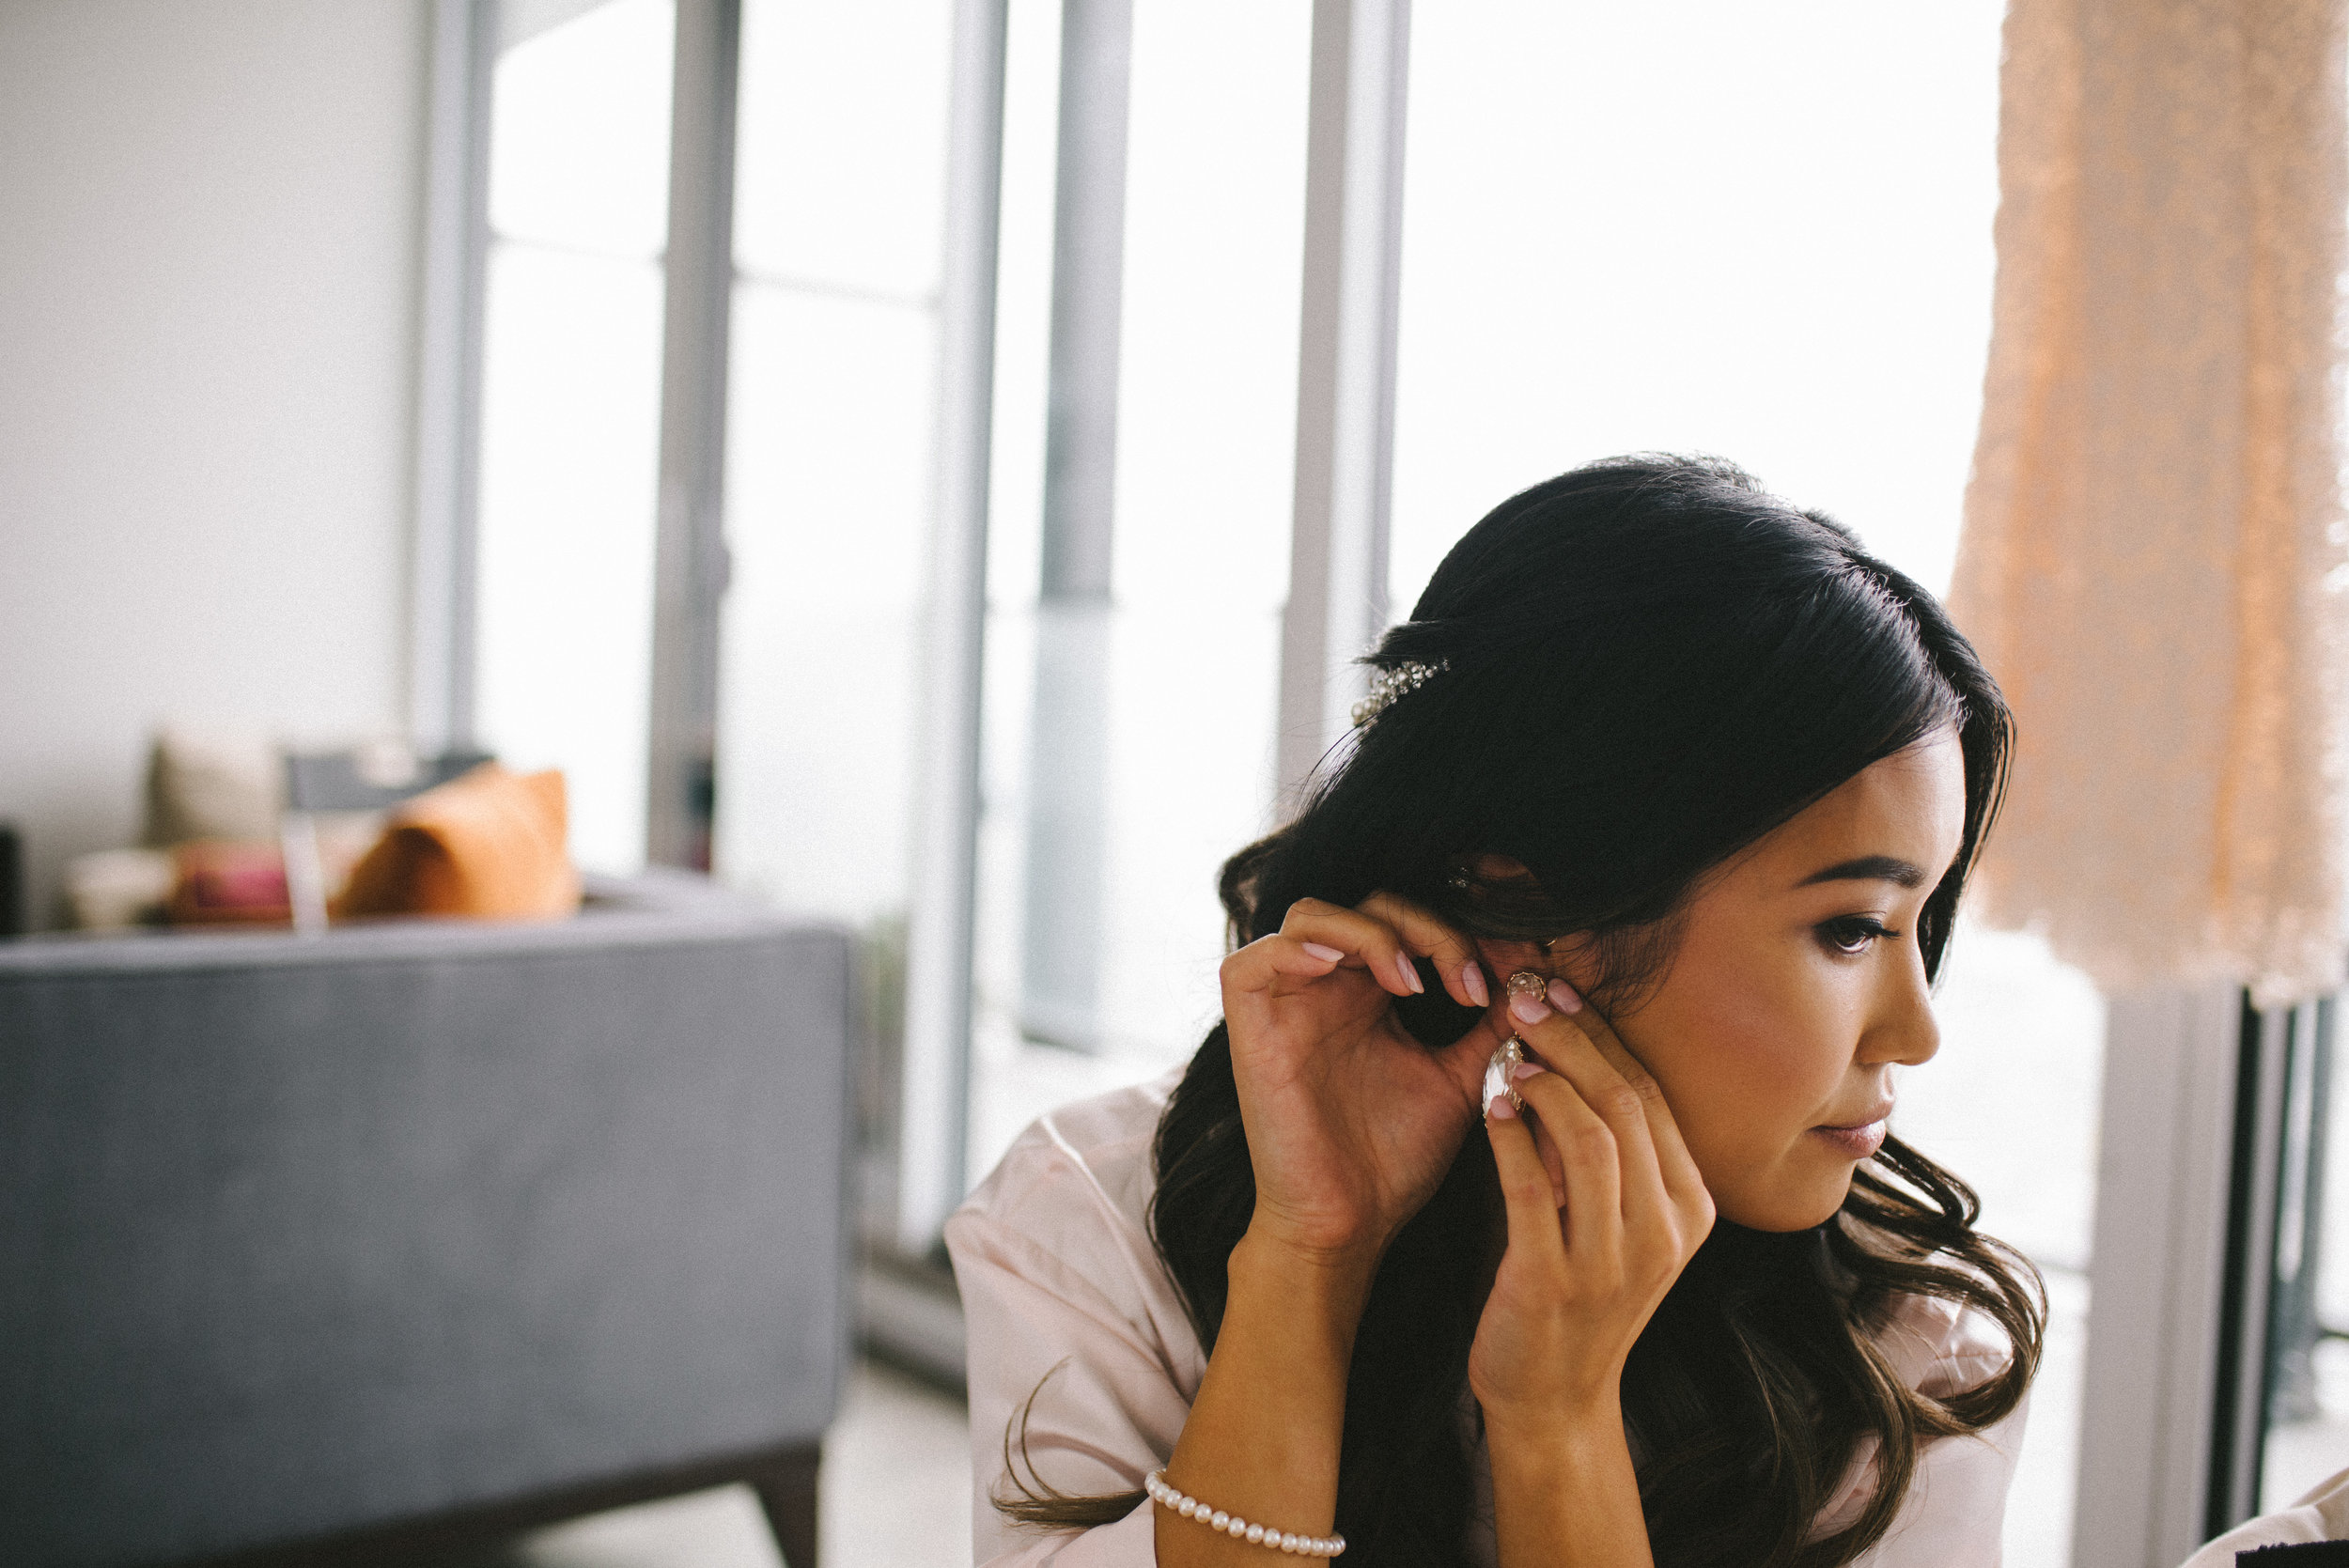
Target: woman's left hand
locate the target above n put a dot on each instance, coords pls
(1605, 1208)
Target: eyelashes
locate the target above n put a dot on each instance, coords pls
(1852, 935)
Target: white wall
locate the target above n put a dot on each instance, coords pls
(209, 215)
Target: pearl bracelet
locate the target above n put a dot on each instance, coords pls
(1162, 1493)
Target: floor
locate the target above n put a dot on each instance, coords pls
(896, 1494)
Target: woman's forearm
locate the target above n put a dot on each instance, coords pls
(1566, 1495)
(1262, 1438)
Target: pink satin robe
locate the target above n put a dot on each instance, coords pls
(1056, 1270)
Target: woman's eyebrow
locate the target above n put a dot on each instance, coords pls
(1870, 868)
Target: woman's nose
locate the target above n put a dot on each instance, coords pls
(1904, 1030)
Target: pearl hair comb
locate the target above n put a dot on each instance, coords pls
(1409, 675)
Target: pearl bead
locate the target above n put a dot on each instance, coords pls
(1255, 1536)
(1288, 1540)
(1220, 1519)
(1187, 1508)
(1236, 1528)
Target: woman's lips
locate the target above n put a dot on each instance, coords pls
(1857, 1142)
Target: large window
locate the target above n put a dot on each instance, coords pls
(1759, 228)
(570, 399)
(1128, 737)
(840, 190)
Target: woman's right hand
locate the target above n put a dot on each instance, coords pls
(1605, 1208)
(1351, 1123)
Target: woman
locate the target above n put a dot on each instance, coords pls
(1669, 790)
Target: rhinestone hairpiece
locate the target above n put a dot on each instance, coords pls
(1409, 675)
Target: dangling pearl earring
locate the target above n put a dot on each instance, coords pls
(1500, 1073)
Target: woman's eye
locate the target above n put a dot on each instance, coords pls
(1851, 933)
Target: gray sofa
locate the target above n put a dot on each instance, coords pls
(413, 1235)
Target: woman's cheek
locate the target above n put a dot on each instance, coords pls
(1740, 1064)
(1719, 1062)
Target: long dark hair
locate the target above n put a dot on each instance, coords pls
(1647, 665)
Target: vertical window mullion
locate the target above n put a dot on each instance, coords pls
(690, 562)
(1069, 738)
(934, 1106)
(448, 453)
(2239, 1393)
(1345, 373)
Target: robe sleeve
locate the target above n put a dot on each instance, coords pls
(1077, 1375)
(1954, 1513)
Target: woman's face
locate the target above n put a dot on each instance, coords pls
(1797, 984)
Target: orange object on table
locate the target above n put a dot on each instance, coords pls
(491, 845)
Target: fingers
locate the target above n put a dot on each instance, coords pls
(1594, 1162)
(1259, 969)
(1453, 955)
(1666, 1207)
(1574, 1039)
(1307, 948)
(1524, 1190)
(1382, 937)
(1585, 1086)
(1552, 1161)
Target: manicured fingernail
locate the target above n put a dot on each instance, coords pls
(1472, 982)
(1410, 971)
(1327, 954)
(1525, 1070)
(1500, 1109)
(1526, 1009)
(1562, 997)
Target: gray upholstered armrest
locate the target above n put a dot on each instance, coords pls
(301, 1235)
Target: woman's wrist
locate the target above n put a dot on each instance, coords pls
(1263, 1437)
(1565, 1493)
(1337, 1278)
(1552, 1414)
(1551, 1444)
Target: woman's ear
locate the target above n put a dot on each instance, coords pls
(1504, 958)
(1568, 958)
(1490, 869)
(1571, 959)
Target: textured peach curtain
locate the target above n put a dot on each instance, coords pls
(2151, 556)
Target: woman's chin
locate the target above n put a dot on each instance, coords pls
(1789, 1199)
